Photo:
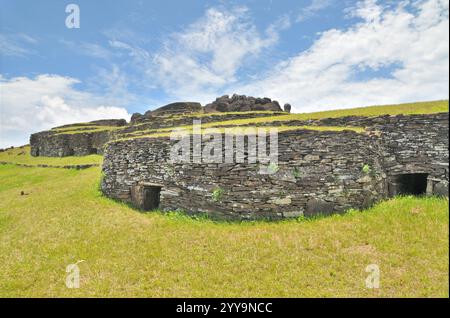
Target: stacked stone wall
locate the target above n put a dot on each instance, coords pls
(317, 171)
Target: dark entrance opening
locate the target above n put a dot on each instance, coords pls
(151, 197)
(409, 184)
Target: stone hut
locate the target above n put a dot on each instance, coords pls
(89, 138)
(318, 172)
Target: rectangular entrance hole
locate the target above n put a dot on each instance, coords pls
(411, 183)
(151, 197)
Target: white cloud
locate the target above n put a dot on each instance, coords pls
(29, 105)
(16, 44)
(312, 9)
(326, 75)
(88, 49)
(208, 53)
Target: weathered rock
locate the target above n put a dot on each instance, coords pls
(287, 108)
(136, 117)
(318, 207)
(441, 189)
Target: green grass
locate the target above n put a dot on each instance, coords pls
(431, 107)
(428, 107)
(79, 129)
(405, 109)
(210, 129)
(64, 219)
(22, 155)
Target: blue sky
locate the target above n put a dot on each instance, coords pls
(131, 56)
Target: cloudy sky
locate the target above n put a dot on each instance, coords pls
(130, 56)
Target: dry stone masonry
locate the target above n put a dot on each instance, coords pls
(81, 139)
(318, 172)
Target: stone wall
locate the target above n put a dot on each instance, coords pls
(49, 144)
(317, 172)
(54, 144)
(155, 123)
(416, 144)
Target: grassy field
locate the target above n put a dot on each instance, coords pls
(22, 155)
(63, 218)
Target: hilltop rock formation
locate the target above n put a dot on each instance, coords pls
(242, 103)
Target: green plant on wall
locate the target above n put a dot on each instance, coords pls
(272, 168)
(170, 170)
(297, 174)
(366, 169)
(217, 194)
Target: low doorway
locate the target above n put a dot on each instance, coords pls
(408, 184)
(146, 197)
(151, 197)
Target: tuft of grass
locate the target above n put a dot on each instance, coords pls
(217, 194)
(63, 218)
(21, 155)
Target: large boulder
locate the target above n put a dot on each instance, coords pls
(287, 108)
(242, 103)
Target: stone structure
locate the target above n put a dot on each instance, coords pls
(56, 143)
(59, 143)
(317, 172)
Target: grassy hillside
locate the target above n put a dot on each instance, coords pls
(64, 219)
(21, 155)
(406, 109)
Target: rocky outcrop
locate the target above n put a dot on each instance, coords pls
(242, 103)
